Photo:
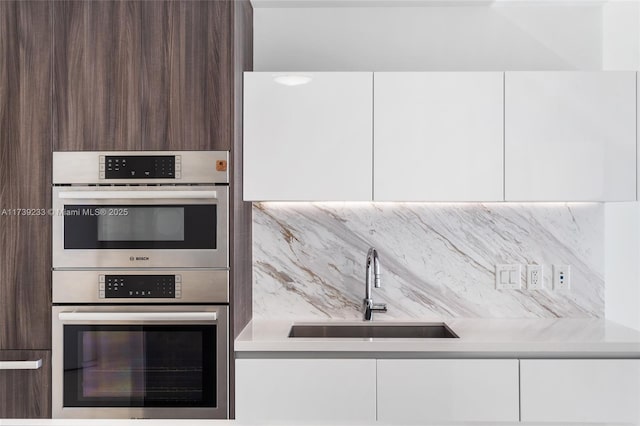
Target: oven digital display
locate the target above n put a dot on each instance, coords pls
(140, 286)
(140, 167)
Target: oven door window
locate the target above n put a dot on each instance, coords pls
(140, 227)
(139, 366)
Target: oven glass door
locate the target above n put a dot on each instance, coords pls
(140, 365)
(140, 226)
(126, 226)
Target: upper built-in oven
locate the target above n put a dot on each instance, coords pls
(140, 209)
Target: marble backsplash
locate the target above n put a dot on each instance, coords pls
(438, 260)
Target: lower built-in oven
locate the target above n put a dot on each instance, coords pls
(122, 354)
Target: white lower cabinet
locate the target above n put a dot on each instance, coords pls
(437, 391)
(580, 390)
(424, 391)
(296, 391)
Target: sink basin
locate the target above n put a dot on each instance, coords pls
(414, 331)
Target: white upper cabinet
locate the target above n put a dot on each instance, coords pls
(570, 136)
(310, 141)
(438, 136)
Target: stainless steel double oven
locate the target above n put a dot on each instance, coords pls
(140, 285)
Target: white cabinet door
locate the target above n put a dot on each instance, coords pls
(580, 390)
(320, 391)
(570, 136)
(438, 136)
(310, 141)
(447, 390)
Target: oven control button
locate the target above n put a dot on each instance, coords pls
(178, 167)
(101, 175)
(101, 278)
(102, 167)
(101, 294)
(178, 294)
(178, 278)
(101, 159)
(178, 175)
(101, 286)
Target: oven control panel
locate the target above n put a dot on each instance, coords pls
(140, 286)
(140, 167)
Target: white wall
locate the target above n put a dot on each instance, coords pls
(621, 51)
(621, 35)
(622, 259)
(502, 37)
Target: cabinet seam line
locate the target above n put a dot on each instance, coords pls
(504, 140)
(373, 140)
(519, 394)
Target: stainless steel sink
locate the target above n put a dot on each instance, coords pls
(413, 331)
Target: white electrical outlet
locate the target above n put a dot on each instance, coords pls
(508, 277)
(561, 277)
(535, 279)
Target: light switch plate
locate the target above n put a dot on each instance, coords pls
(508, 277)
(561, 277)
(535, 280)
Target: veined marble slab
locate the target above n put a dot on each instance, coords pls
(438, 260)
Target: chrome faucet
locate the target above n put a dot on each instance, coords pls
(368, 307)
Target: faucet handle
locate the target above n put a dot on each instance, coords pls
(379, 307)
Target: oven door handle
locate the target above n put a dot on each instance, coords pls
(139, 316)
(137, 195)
(21, 365)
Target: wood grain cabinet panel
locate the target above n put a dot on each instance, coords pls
(143, 75)
(186, 75)
(25, 393)
(97, 84)
(25, 175)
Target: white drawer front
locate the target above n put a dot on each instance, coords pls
(447, 390)
(580, 390)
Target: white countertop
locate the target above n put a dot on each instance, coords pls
(507, 338)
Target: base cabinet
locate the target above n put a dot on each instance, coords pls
(438, 391)
(295, 391)
(25, 384)
(580, 390)
(425, 391)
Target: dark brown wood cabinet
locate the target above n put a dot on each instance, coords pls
(96, 75)
(106, 75)
(143, 75)
(25, 393)
(186, 75)
(25, 175)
